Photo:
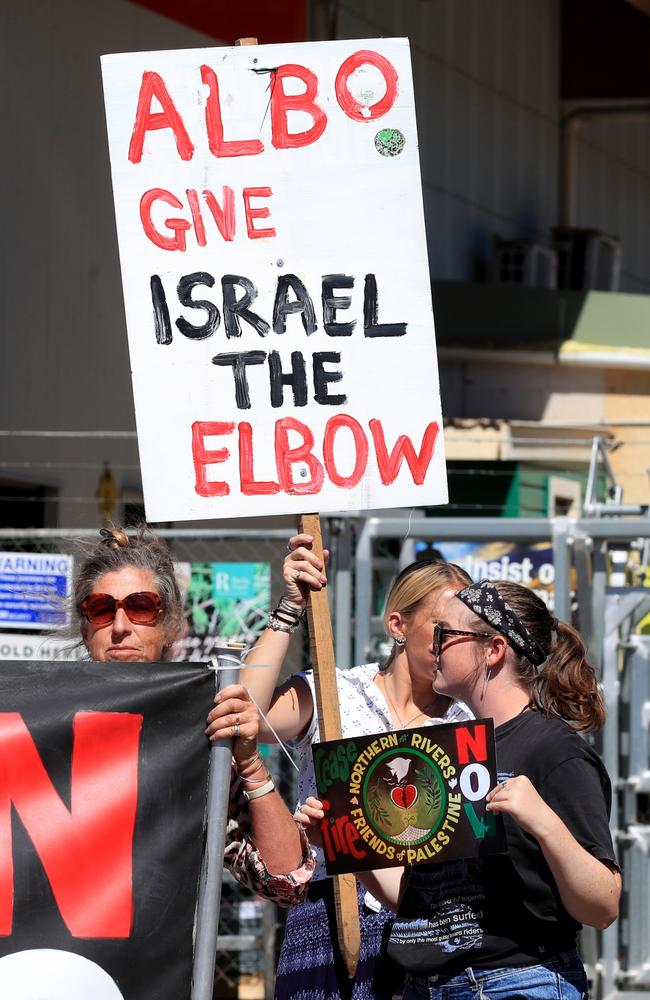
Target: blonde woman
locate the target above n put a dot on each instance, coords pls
(373, 698)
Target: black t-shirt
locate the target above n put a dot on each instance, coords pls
(506, 909)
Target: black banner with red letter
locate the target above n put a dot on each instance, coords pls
(103, 774)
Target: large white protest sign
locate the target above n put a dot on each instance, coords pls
(277, 294)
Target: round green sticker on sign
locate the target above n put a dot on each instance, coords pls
(389, 141)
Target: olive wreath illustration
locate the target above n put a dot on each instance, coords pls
(378, 812)
(430, 787)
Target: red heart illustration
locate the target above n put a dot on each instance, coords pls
(404, 795)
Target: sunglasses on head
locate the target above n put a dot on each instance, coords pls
(432, 560)
(141, 609)
(439, 634)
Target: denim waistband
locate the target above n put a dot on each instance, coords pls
(559, 957)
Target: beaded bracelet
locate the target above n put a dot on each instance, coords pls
(286, 617)
(257, 793)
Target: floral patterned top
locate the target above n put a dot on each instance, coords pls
(244, 861)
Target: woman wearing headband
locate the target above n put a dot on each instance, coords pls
(372, 699)
(505, 926)
(128, 608)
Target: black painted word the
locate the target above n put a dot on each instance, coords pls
(296, 377)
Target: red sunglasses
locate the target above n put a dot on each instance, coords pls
(141, 609)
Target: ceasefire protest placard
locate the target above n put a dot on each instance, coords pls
(276, 286)
(408, 797)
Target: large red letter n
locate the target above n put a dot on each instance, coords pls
(86, 850)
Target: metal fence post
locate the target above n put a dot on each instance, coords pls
(341, 533)
(363, 592)
(207, 910)
(561, 528)
(268, 946)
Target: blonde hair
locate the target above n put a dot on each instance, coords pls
(418, 581)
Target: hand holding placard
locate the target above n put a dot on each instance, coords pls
(329, 722)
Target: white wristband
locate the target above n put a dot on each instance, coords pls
(257, 793)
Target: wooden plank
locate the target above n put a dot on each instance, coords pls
(329, 722)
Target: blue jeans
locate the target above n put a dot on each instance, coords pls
(561, 978)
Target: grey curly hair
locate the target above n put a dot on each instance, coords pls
(144, 550)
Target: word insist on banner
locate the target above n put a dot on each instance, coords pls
(408, 797)
(103, 775)
(276, 284)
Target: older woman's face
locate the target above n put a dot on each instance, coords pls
(121, 639)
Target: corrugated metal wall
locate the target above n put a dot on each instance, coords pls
(613, 192)
(486, 88)
(487, 91)
(63, 347)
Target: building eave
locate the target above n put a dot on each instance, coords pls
(567, 356)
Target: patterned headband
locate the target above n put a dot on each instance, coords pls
(485, 601)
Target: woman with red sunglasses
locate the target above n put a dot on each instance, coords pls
(129, 609)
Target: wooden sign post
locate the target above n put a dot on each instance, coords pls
(329, 725)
